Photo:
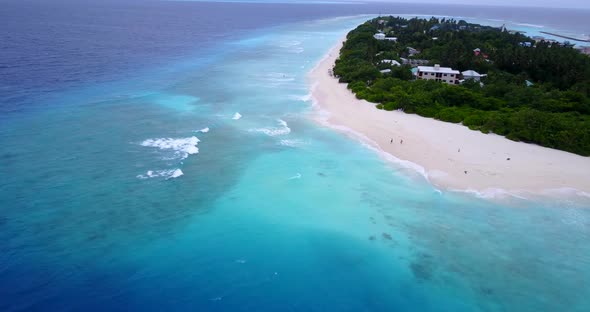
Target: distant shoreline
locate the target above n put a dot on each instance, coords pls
(452, 156)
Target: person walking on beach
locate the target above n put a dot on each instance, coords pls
(401, 142)
(391, 141)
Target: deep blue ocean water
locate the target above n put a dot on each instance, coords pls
(114, 197)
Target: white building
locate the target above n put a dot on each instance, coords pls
(379, 36)
(437, 73)
(472, 74)
(413, 62)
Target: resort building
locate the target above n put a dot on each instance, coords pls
(379, 36)
(472, 74)
(437, 73)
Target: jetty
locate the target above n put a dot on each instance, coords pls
(566, 37)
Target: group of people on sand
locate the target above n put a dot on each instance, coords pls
(458, 150)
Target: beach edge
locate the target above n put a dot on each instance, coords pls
(449, 156)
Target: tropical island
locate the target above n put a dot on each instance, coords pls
(422, 124)
(489, 79)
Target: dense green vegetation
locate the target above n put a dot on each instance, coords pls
(554, 111)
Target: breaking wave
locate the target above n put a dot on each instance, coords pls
(274, 131)
(302, 98)
(182, 148)
(168, 174)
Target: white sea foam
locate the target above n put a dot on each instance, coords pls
(181, 147)
(291, 143)
(492, 193)
(303, 98)
(176, 173)
(277, 77)
(564, 193)
(167, 174)
(297, 176)
(236, 116)
(289, 43)
(281, 80)
(274, 131)
(204, 130)
(530, 25)
(297, 50)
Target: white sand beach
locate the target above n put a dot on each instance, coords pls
(452, 156)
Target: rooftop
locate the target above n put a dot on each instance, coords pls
(472, 73)
(393, 62)
(438, 69)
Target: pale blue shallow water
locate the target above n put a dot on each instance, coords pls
(274, 212)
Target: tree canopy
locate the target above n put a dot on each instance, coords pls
(537, 92)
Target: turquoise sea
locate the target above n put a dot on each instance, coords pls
(200, 183)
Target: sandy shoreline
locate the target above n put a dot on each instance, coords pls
(445, 151)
